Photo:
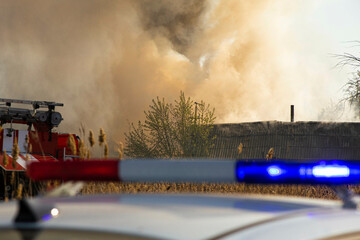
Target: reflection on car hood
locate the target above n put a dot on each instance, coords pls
(172, 216)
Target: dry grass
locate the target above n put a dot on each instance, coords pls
(240, 148)
(82, 149)
(91, 138)
(270, 154)
(120, 150)
(71, 144)
(15, 153)
(102, 137)
(106, 151)
(316, 191)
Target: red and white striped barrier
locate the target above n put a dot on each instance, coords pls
(22, 161)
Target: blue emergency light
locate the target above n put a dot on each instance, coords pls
(294, 172)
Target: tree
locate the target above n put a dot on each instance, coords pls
(352, 87)
(182, 129)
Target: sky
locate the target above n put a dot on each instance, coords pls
(106, 60)
(329, 27)
(315, 32)
(336, 19)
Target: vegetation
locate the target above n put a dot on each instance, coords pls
(182, 129)
(352, 87)
(317, 191)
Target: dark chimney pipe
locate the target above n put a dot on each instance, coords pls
(292, 113)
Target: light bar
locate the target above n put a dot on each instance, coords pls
(139, 170)
(191, 170)
(274, 171)
(330, 172)
(103, 170)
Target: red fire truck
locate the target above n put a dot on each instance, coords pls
(38, 119)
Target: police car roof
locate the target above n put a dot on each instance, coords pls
(197, 216)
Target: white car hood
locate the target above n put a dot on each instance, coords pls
(171, 216)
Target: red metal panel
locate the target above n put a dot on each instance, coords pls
(62, 141)
(44, 158)
(9, 166)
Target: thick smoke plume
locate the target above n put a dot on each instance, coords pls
(106, 60)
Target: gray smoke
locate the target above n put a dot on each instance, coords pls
(105, 60)
(177, 21)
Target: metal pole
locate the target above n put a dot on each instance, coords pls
(292, 113)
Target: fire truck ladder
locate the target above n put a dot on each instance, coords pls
(49, 118)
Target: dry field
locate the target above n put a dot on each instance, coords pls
(317, 191)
